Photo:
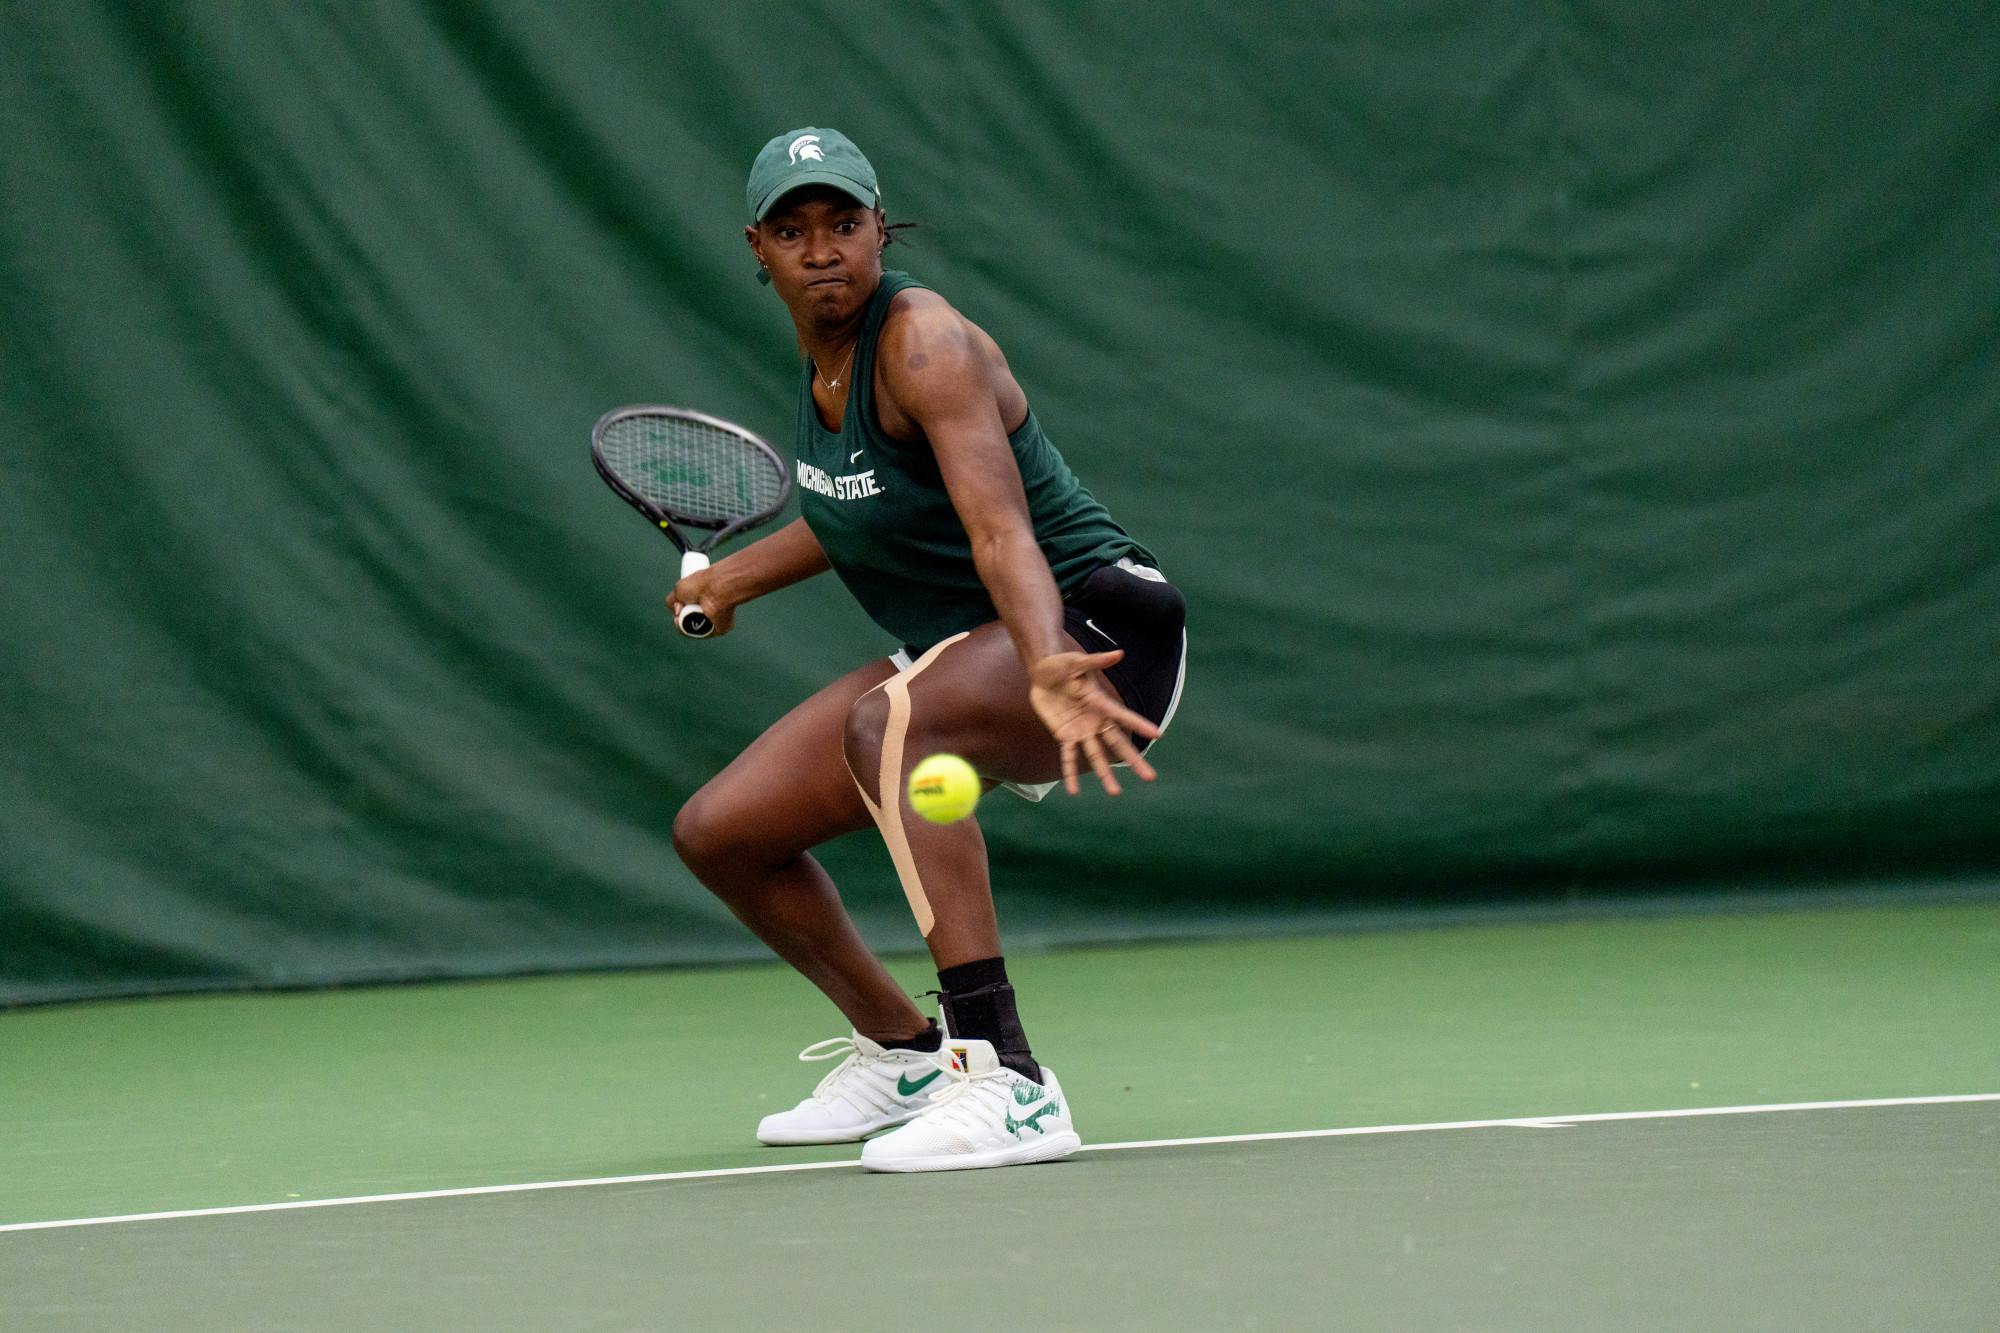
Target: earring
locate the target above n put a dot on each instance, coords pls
(763, 275)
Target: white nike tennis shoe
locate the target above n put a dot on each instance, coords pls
(871, 1089)
(985, 1115)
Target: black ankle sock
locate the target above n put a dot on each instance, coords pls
(979, 1004)
(930, 1039)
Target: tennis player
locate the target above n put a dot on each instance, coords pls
(1038, 639)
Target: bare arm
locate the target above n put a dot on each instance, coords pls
(940, 379)
(785, 557)
(935, 365)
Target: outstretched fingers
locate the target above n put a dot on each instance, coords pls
(1128, 753)
(1110, 743)
(1100, 764)
(1113, 713)
(1085, 716)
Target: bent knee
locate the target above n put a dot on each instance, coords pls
(861, 742)
(701, 835)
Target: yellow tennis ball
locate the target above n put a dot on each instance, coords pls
(944, 789)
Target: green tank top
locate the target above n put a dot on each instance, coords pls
(881, 514)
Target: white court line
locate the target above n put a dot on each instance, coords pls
(1547, 1121)
(1516, 1122)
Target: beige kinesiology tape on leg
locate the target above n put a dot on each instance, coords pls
(886, 806)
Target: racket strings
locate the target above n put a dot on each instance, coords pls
(695, 472)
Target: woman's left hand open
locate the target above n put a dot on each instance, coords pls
(1082, 714)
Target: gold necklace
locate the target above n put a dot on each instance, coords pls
(834, 383)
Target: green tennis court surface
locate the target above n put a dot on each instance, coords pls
(1876, 1216)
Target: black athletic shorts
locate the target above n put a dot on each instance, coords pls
(1132, 606)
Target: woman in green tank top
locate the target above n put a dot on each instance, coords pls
(928, 487)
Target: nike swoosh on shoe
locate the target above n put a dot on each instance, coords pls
(905, 1088)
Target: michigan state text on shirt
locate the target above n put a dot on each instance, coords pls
(856, 486)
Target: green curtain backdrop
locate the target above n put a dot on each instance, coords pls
(1574, 424)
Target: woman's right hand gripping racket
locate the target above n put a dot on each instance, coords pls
(693, 470)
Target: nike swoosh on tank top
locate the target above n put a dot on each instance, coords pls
(880, 511)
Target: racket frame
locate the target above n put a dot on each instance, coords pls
(694, 555)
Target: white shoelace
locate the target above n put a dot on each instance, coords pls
(833, 1048)
(956, 1103)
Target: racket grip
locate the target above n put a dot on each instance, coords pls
(692, 620)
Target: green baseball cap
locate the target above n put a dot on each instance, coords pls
(809, 156)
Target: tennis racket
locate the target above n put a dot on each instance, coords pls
(688, 469)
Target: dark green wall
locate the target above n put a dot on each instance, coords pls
(1574, 425)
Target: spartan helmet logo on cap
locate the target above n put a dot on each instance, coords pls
(806, 146)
